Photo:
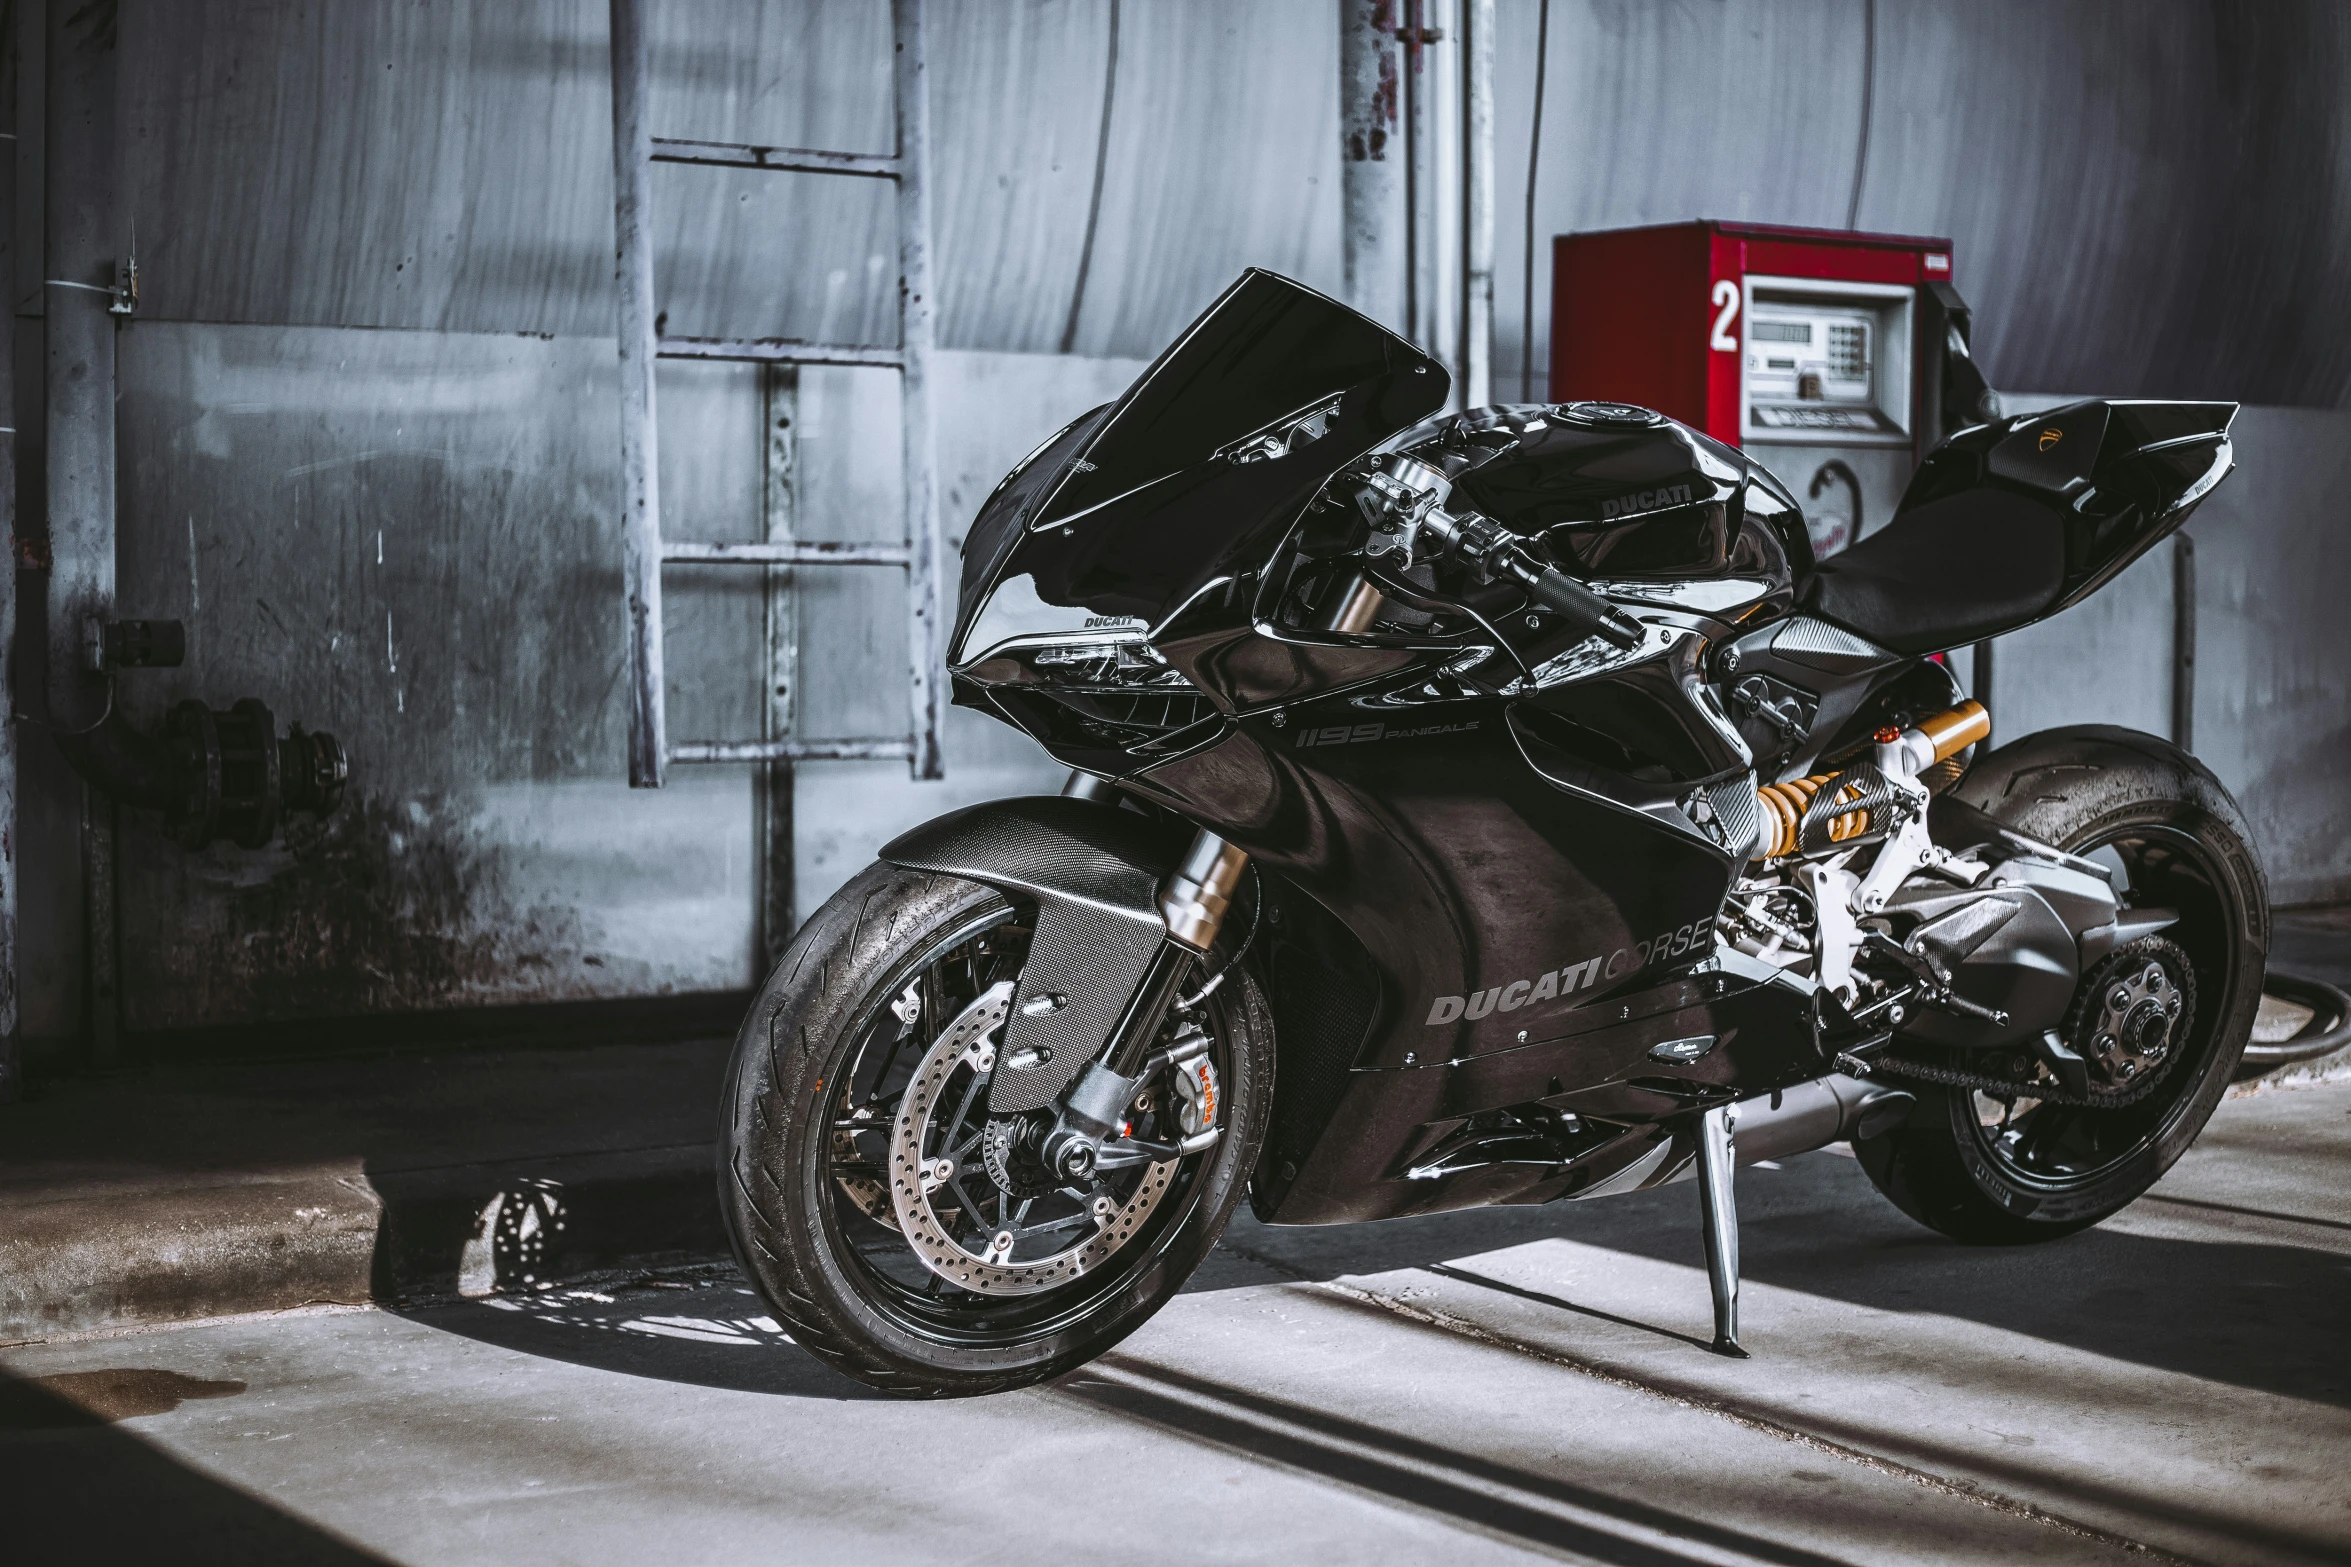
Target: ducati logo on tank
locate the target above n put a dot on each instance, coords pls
(1564, 981)
(1644, 500)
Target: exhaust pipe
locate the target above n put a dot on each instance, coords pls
(1811, 1116)
(1832, 1109)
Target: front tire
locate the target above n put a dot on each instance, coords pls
(1974, 1169)
(820, 1068)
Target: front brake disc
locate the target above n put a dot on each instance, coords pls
(922, 1172)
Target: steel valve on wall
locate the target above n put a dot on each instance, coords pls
(214, 773)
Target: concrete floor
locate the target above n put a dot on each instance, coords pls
(1499, 1385)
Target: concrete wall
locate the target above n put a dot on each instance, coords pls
(368, 427)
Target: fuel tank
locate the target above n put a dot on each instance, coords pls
(1624, 495)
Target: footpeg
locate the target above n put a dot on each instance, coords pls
(1721, 1217)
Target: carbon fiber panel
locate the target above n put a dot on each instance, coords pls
(1740, 814)
(1093, 872)
(1819, 645)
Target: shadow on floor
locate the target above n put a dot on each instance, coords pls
(81, 1489)
(1401, 1468)
(2257, 1314)
(713, 1334)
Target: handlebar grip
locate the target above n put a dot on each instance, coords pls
(1580, 607)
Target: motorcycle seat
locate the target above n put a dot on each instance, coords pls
(1952, 571)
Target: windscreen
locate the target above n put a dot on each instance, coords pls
(1268, 351)
(1223, 440)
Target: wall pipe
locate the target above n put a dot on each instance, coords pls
(1477, 146)
(1372, 153)
(1424, 174)
(11, 1055)
(640, 429)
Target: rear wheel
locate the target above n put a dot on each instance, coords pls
(901, 1232)
(2162, 1022)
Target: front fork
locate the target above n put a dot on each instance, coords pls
(1193, 900)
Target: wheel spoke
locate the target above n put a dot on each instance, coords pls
(1047, 1226)
(971, 1208)
(971, 1094)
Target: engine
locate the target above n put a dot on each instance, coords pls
(1925, 923)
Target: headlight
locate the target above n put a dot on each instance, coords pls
(1014, 614)
(1127, 665)
(1077, 680)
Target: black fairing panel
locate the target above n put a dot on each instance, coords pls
(2009, 523)
(1505, 937)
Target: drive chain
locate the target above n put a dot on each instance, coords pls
(1978, 1082)
(2046, 1092)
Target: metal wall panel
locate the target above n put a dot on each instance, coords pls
(2151, 196)
(2146, 194)
(406, 164)
(408, 539)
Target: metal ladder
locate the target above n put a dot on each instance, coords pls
(634, 150)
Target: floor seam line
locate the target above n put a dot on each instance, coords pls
(1764, 1424)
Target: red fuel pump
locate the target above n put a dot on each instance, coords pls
(1836, 359)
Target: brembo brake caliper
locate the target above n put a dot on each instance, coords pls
(1403, 500)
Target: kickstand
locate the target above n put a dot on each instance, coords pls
(1721, 1219)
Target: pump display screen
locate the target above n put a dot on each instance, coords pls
(1827, 358)
(1819, 361)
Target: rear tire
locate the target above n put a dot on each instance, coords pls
(842, 1279)
(2161, 816)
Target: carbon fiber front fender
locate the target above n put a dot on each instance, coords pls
(1093, 872)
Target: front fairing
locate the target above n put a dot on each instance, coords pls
(1194, 475)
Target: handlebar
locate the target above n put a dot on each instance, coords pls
(1404, 501)
(1574, 603)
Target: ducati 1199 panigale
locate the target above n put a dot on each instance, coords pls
(1499, 807)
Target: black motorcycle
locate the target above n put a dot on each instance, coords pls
(1492, 808)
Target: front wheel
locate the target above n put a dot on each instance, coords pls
(899, 1231)
(2167, 1018)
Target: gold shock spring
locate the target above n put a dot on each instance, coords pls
(1785, 804)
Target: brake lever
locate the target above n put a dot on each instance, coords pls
(1484, 545)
